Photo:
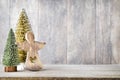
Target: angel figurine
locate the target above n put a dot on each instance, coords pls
(32, 60)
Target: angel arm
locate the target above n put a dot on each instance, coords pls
(40, 44)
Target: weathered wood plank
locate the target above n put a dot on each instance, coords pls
(103, 32)
(53, 30)
(31, 8)
(48, 78)
(68, 71)
(4, 25)
(115, 33)
(81, 32)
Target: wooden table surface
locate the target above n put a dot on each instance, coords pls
(69, 71)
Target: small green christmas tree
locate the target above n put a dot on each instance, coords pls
(22, 27)
(10, 57)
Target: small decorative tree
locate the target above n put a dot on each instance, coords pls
(10, 57)
(22, 27)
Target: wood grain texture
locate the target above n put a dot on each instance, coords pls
(53, 30)
(81, 32)
(69, 71)
(4, 25)
(115, 32)
(48, 78)
(103, 32)
(76, 31)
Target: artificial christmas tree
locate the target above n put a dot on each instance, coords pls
(22, 27)
(10, 57)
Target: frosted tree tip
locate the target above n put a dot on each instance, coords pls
(23, 9)
(11, 30)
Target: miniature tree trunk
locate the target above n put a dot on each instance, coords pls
(10, 68)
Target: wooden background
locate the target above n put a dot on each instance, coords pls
(76, 31)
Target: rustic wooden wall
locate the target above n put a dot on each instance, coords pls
(81, 32)
(76, 31)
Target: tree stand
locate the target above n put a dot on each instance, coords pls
(10, 68)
